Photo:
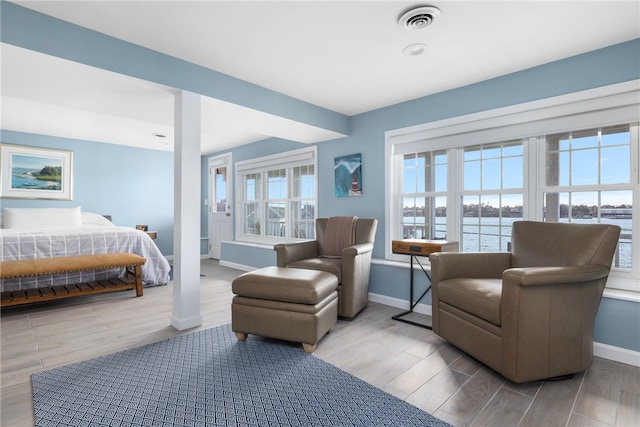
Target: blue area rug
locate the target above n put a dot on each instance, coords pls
(208, 378)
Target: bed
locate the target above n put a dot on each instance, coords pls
(61, 232)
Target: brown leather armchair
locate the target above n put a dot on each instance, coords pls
(529, 313)
(352, 268)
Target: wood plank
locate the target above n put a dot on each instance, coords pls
(474, 394)
(60, 290)
(553, 403)
(598, 398)
(32, 293)
(506, 408)
(47, 292)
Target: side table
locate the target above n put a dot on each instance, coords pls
(415, 248)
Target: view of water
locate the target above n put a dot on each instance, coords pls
(494, 234)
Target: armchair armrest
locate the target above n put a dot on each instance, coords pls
(447, 265)
(355, 250)
(536, 276)
(287, 253)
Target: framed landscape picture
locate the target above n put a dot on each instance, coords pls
(35, 173)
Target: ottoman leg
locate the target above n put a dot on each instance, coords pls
(309, 348)
(241, 336)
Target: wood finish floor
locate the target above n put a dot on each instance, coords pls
(409, 362)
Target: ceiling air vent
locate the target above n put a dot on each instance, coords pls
(419, 17)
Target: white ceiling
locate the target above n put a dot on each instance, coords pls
(345, 56)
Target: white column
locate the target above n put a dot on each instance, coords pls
(186, 212)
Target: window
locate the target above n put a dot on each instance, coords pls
(588, 180)
(424, 196)
(277, 197)
(573, 158)
(492, 195)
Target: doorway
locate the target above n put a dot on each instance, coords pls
(220, 188)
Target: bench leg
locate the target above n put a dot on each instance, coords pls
(138, 272)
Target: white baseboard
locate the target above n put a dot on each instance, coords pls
(185, 323)
(399, 303)
(241, 267)
(617, 354)
(605, 351)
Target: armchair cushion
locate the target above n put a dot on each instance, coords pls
(480, 297)
(330, 265)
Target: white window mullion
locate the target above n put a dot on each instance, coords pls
(454, 199)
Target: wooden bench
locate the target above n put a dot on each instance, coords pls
(37, 267)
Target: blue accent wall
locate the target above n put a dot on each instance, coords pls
(136, 186)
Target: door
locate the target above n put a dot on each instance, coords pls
(220, 220)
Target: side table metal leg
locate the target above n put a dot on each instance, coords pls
(412, 304)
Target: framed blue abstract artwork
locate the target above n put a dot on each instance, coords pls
(348, 175)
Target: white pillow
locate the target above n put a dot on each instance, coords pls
(42, 217)
(90, 218)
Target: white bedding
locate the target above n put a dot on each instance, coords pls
(18, 244)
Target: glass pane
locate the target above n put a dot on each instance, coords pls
(440, 219)
(470, 224)
(423, 179)
(556, 207)
(616, 135)
(275, 219)
(441, 178)
(409, 181)
(513, 173)
(220, 190)
(616, 165)
(409, 161)
(512, 206)
(434, 220)
(471, 153)
(303, 220)
(491, 151)
(565, 169)
(512, 149)
(252, 219)
(491, 175)
(584, 206)
(277, 184)
(413, 218)
(584, 139)
(584, 167)
(304, 182)
(253, 186)
(617, 208)
(472, 175)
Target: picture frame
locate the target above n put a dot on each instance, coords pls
(348, 175)
(35, 173)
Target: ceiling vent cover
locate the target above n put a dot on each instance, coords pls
(419, 17)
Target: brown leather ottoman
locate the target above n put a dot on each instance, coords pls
(285, 303)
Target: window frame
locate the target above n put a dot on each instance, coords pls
(599, 107)
(263, 165)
